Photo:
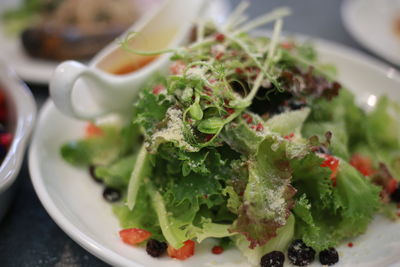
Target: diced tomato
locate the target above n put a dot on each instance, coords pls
(133, 236)
(332, 163)
(158, 89)
(177, 67)
(363, 164)
(182, 253)
(93, 130)
(217, 250)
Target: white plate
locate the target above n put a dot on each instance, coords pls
(370, 22)
(74, 201)
(40, 71)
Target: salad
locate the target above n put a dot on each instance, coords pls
(250, 141)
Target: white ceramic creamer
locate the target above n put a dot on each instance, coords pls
(109, 83)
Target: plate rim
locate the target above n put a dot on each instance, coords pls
(94, 247)
(346, 16)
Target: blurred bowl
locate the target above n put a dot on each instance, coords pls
(21, 110)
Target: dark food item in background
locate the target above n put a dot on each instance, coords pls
(156, 248)
(329, 256)
(273, 259)
(111, 194)
(395, 195)
(300, 254)
(66, 32)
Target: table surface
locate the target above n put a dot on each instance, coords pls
(29, 237)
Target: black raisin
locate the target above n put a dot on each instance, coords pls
(155, 248)
(329, 256)
(273, 259)
(395, 195)
(111, 194)
(300, 254)
(92, 172)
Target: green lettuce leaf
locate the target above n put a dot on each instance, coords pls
(118, 173)
(102, 150)
(327, 214)
(268, 190)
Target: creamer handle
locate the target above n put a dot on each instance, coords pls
(62, 84)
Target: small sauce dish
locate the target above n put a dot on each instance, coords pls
(21, 113)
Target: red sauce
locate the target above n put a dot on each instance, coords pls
(134, 66)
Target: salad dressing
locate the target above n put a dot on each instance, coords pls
(134, 66)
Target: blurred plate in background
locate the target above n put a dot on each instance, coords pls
(376, 25)
(39, 71)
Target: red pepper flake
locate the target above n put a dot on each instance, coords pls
(230, 110)
(289, 137)
(241, 194)
(157, 89)
(219, 55)
(177, 67)
(6, 139)
(207, 89)
(212, 80)
(217, 250)
(259, 127)
(287, 45)
(350, 245)
(248, 118)
(219, 37)
(238, 71)
(205, 196)
(253, 127)
(209, 137)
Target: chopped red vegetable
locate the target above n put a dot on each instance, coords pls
(182, 253)
(363, 164)
(217, 250)
(332, 163)
(92, 130)
(219, 37)
(177, 67)
(133, 236)
(289, 137)
(158, 89)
